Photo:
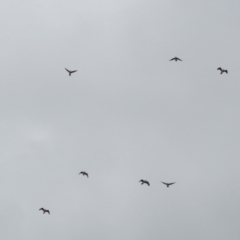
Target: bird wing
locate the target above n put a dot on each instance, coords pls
(164, 183)
(219, 69)
(67, 70)
(179, 59)
(86, 174)
(226, 71)
(47, 211)
(81, 173)
(73, 71)
(172, 59)
(141, 180)
(147, 183)
(171, 183)
(41, 209)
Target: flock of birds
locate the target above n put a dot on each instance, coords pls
(173, 59)
(147, 182)
(86, 174)
(142, 181)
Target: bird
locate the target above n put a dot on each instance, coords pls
(144, 181)
(70, 72)
(45, 210)
(168, 184)
(84, 173)
(222, 70)
(176, 59)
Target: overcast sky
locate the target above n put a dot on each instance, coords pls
(127, 114)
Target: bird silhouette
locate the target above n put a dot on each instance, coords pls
(222, 70)
(144, 181)
(176, 59)
(168, 184)
(84, 173)
(45, 210)
(70, 72)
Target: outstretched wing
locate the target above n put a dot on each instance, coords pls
(147, 183)
(172, 59)
(171, 183)
(47, 211)
(178, 59)
(164, 183)
(73, 71)
(84, 173)
(41, 209)
(67, 70)
(226, 71)
(219, 69)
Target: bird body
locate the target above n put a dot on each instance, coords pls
(222, 70)
(45, 210)
(144, 181)
(84, 173)
(70, 72)
(176, 59)
(168, 184)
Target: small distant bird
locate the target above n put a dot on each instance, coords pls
(144, 181)
(176, 59)
(70, 72)
(222, 70)
(168, 184)
(45, 210)
(84, 173)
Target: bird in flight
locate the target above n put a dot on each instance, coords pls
(168, 184)
(144, 181)
(222, 70)
(45, 210)
(176, 59)
(70, 72)
(84, 173)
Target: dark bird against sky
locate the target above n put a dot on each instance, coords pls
(84, 173)
(70, 72)
(168, 184)
(144, 181)
(176, 59)
(45, 210)
(222, 70)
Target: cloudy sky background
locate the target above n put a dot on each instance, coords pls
(127, 114)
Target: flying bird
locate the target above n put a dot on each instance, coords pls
(70, 72)
(45, 210)
(144, 181)
(222, 70)
(168, 184)
(176, 59)
(84, 173)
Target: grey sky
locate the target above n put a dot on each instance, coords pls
(126, 114)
